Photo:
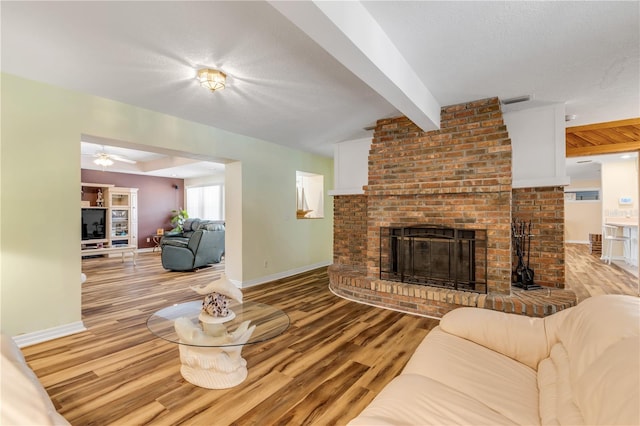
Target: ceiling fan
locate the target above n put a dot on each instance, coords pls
(103, 159)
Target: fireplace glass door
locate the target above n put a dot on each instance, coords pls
(434, 256)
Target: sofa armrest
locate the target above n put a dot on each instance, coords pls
(25, 401)
(194, 240)
(516, 336)
(177, 258)
(169, 236)
(172, 234)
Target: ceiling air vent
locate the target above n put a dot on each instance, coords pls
(516, 100)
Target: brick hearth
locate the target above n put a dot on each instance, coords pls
(351, 283)
(458, 176)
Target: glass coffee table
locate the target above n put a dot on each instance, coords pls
(210, 348)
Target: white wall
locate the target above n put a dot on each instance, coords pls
(538, 146)
(619, 179)
(233, 219)
(40, 260)
(582, 218)
(204, 180)
(351, 166)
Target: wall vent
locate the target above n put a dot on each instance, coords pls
(516, 100)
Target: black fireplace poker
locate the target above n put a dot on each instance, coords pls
(522, 275)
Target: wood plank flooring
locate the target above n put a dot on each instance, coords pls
(330, 363)
(333, 359)
(588, 276)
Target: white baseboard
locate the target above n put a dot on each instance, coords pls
(280, 275)
(40, 336)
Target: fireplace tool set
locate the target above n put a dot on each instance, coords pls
(522, 275)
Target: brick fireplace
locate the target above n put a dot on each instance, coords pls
(458, 177)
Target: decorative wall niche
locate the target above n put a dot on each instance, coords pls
(309, 195)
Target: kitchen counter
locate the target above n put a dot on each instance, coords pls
(622, 221)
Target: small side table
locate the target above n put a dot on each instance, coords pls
(156, 240)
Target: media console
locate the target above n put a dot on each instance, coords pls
(112, 250)
(109, 220)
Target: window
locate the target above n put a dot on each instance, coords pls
(206, 202)
(309, 195)
(582, 195)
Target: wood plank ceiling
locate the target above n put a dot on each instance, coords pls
(603, 138)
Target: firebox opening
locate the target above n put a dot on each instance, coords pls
(435, 256)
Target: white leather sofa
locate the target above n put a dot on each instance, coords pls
(23, 400)
(580, 366)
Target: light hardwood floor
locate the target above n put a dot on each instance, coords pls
(330, 363)
(588, 276)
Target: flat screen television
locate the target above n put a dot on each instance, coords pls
(94, 224)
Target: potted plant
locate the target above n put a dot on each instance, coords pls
(177, 219)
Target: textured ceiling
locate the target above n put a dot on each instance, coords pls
(285, 88)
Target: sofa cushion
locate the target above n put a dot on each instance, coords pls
(608, 392)
(190, 225)
(211, 225)
(494, 380)
(176, 242)
(412, 399)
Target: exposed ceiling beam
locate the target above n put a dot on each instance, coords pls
(350, 34)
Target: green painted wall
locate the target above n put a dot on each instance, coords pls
(40, 261)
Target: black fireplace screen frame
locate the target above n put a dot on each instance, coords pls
(399, 244)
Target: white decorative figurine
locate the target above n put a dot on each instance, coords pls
(215, 307)
(210, 355)
(100, 200)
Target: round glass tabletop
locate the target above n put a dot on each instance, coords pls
(269, 321)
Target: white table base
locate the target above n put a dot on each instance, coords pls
(213, 368)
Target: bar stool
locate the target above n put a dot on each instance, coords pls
(610, 236)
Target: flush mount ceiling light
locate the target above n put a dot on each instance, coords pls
(212, 79)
